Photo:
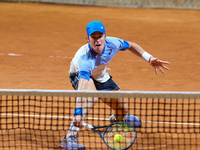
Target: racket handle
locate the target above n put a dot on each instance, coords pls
(87, 126)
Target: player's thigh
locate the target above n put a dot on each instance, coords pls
(118, 104)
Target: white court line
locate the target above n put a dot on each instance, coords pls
(47, 116)
(11, 54)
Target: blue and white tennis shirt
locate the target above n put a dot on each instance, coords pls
(88, 63)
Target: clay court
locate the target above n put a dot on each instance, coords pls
(38, 41)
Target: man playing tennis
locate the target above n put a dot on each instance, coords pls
(88, 71)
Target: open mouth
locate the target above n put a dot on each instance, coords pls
(98, 45)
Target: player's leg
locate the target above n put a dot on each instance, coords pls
(119, 105)
(121, 112)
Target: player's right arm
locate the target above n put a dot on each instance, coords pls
(78, 119)
(85, 69)
(82, 85)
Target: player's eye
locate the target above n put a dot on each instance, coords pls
(96, 37)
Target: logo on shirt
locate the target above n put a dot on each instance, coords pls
(110, 51)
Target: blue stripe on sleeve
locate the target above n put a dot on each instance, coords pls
(125, 46)
(84, 75)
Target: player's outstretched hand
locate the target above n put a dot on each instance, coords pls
(158, 64)
(78, 121)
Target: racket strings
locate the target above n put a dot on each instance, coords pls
(127, 133)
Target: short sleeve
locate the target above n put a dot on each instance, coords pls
(125, 45)
(84, 75)
(120, 44)
(85, 68)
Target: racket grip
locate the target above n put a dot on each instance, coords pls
(87, 126)
(78, 124)
(77, 121)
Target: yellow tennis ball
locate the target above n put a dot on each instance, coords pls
(118, 138)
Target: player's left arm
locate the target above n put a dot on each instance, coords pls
(155, 62)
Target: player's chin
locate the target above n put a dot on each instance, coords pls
(99, 49)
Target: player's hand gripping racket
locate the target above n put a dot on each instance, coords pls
(118, 135)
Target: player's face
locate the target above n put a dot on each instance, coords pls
(97, 42)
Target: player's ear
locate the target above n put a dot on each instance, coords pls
(87, 38)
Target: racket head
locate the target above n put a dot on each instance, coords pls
(126, 130)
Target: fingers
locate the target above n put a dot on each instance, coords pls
(158, 65)
(165, 67)
(158, 68)
(157, 61)
(77, 121)
(161, 70)
(163, 62)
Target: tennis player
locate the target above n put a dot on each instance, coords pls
(88, 71)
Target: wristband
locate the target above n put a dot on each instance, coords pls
(78, 111)
(146, 56)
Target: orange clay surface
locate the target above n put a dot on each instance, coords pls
(38, 41)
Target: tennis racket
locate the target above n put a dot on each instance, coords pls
(126, 130)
